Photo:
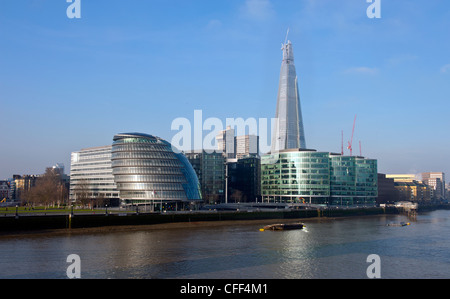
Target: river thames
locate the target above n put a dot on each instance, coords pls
(326, 248)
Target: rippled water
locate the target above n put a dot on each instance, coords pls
(325, 249)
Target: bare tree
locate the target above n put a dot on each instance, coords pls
(48, 191)
(82, 192)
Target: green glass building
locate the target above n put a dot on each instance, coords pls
(311, 177)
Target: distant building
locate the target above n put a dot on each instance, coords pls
(387, 193)
(226, 143)
(4, 190)
(22, 184)
(247, 145)
(411, 189)
(436, 180)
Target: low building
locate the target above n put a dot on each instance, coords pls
(308, 176)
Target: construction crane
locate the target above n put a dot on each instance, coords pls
(342, 144)
(360, 151)
(350, 143)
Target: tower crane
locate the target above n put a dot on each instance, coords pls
(351, 139)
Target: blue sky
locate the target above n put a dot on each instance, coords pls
(135, 66)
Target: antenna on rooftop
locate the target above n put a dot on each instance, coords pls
(287, 34)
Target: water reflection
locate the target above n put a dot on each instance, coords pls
(324, 249)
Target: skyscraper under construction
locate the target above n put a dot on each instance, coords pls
(289, 132)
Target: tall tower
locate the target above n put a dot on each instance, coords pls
(288, 132)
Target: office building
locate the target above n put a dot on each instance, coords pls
(311, 177)
(436, 180)
(226, 143)
(387, 193)
(244, 183)
(210, 170)
(91, 175)
(247, 145)
(289, 131)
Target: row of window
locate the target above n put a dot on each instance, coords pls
(150, 178)
(141, 163)
(142, 155)
(150, 186)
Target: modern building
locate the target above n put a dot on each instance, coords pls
(289, 131)
(387, 193)
(91, 175)
(436, 180)
(247, 145)
(244, 183)
(210, 169)
(147, 171)
(310, 177)
(226, 143)
(137, 169)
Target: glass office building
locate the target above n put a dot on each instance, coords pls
(91, 175)
(311, 177)
(147, 170)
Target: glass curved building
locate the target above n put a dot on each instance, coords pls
(311, 177)
(147, 170)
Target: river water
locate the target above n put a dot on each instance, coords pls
(326, 248)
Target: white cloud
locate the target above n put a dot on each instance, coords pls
(361, 70)
(445, 69)
(257, 9)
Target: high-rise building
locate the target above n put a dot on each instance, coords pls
(436, 180)
(288, 132)
(244, 183)
(210, 170)
(247, 145)
(226, 143)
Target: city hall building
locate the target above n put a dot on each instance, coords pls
(137, 169)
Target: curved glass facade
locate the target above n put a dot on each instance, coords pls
(307, 176)
(146, 170)
(296, 177)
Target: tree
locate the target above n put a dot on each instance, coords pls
(48, 191)
(82, 192)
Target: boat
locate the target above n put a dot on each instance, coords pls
(399, 224)
(285, 226)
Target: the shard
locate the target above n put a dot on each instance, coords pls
(288, 130)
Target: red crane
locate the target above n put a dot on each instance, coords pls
(351, 140)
